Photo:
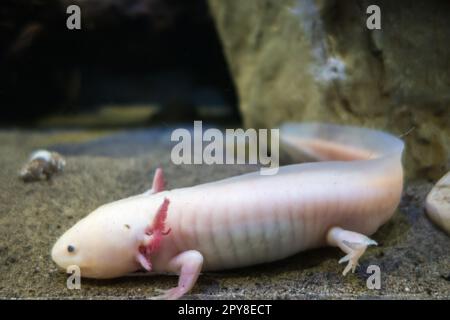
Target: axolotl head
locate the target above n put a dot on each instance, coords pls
(102, 245)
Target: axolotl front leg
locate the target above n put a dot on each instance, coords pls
(187, 264)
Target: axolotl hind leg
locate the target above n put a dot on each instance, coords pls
(352, 243)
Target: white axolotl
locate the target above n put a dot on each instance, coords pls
(248, 219)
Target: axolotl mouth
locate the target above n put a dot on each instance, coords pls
(72, 250)
(67, 257)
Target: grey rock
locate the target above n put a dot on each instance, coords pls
(313, 60)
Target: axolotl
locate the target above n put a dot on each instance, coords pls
(248, 219)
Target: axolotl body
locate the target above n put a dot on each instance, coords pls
(248, 219)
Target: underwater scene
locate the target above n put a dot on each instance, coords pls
(225, 150)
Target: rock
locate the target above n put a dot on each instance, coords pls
(42, 165)
(438, 203)
(317, 61)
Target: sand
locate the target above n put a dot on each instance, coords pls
(102, 166)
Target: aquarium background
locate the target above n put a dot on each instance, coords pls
(160, 54)
(108, 96)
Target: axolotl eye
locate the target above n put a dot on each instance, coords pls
(70, 248)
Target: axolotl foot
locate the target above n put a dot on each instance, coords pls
(169, 294)
(352, 243)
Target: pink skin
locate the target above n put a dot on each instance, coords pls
(158, 181)
(155, 231)
(249, 219)
(188, 264)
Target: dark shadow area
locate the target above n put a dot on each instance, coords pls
(162, 54)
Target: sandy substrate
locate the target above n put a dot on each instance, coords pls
(413, 255)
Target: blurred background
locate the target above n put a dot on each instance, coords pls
(152, 57)
(257, 63)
